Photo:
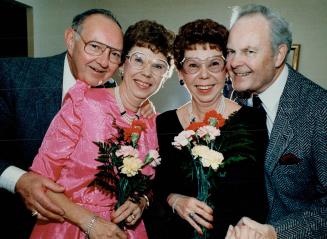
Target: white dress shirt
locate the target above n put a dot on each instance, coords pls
(271, 96)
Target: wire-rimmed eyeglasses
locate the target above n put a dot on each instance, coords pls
(139, 60)
(95, 48)
(214, 64)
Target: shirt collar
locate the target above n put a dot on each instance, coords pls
(271, 96)
(68, 78)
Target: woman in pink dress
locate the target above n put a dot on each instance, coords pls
(67, 154)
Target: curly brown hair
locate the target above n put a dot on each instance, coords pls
(152, 35)
(201, 31)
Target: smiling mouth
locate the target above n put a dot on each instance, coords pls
(96, 70)
(242, 74)
(142, 84)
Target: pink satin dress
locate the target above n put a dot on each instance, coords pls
(67, 156)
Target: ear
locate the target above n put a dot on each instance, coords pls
(70, 40)
(281, 54)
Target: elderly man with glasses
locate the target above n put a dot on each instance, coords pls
(31, 93)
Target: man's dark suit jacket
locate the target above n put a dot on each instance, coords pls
(30, 96)
(296, 161)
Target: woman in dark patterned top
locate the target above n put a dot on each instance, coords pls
(199, 51)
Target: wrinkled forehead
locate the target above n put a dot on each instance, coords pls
(102, 29)
(249, 31)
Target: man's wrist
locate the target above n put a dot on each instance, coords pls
(9, 178)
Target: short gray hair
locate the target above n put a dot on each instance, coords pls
(80, 18)
(280, 29)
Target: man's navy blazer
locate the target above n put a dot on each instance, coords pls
(30, 96)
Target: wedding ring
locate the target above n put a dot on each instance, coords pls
(132, 216)
(35, 213)
(191, 215)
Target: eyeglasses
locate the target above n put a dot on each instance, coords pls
(214, 64)
(95, 48)
(139, 60)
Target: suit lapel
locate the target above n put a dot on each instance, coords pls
(281, 135)
(282, 131)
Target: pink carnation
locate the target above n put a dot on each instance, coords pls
(156, 158)
(183, 138)
(127, 151)
(209, 130)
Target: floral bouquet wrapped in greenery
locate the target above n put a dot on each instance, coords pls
(121, 170)
(207, 145)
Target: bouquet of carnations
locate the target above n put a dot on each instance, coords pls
(199, 139)
(121, 170)
(207, 144)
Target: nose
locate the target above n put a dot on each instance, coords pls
(103, 59)
(234, 60)
(203, 71)
(147, 70)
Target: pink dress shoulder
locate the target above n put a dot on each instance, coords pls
(67, 155)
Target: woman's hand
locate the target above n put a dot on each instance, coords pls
(196, 212)
(102, 229)
(130, 212)
(147, 109)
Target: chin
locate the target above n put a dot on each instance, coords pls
(239, 87)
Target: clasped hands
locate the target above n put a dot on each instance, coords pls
(130, 212)
(198, 214)
(194, 211)
(247, 228)
(100, 228)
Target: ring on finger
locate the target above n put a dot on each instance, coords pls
(34, 213)
(133, 217)
(191, 215)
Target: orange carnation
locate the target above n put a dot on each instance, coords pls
(214, 115)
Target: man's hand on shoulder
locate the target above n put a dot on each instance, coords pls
(32, 188)
(147, 109)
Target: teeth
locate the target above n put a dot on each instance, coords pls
(242, 74)
(100, 71)
(203, 87)
(143, 84)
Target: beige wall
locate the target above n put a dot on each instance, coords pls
(308, 20)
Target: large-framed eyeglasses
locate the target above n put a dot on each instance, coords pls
(192, 65)
(95, 48)
(139, 60)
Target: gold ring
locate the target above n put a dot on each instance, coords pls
(35, 213)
